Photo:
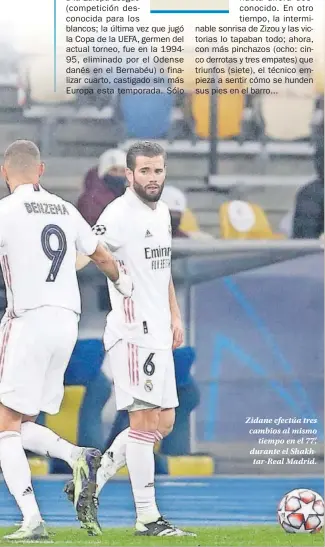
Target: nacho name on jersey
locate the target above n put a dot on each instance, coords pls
(160, 257)
(46, 208)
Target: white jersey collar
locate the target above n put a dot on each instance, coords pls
(27, 188)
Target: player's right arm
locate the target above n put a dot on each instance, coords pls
(109, 230)
(106, 263)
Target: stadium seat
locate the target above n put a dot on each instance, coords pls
(189, 222)
(187, 466)
(288, 117)
(147, 116)
(230, 108)
(38, 466)
(66, 422)
(243, 220)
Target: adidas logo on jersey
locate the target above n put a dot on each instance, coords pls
(148, 234)
(28, 491)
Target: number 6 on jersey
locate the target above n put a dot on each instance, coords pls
(149, 367)
(56, 255)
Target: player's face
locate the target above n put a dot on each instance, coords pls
(148, 177)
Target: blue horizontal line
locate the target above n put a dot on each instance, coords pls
(189, 11)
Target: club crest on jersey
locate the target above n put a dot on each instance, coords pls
(99, 229)
(148, 385)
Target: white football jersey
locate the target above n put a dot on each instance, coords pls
(141, 241)
(40, 235)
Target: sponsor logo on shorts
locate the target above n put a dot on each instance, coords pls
(148, 385)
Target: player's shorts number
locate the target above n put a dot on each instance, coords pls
(55, 254)
(149, 367)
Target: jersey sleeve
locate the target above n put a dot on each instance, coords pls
(86, 241)
(110, 228)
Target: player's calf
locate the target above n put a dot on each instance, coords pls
(115, 457)
(17, 474)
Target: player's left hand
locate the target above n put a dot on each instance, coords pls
(124, 285)
(178, 332)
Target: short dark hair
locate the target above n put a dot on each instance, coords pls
(22, 155)
(143, 148)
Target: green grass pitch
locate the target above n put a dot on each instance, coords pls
(220, 536)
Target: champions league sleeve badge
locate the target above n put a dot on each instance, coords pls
(99, 229)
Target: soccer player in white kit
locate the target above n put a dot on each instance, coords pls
(40, 235)
(141, 331)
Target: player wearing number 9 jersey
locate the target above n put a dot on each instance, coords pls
(40, 235)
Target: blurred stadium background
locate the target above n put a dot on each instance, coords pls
(252, 298)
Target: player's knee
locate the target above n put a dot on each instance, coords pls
(166, 422)
(145, 420)
(10, 420)
(168, 426)
(166, 429)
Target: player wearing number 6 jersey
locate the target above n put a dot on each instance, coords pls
(40, 235)
(141, 331)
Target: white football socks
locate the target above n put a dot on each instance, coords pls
(43, 441)
(115, 458)
(112, 460)
(17, 474)
(141, 465)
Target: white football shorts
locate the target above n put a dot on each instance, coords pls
(143, 377)
(35, 350)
